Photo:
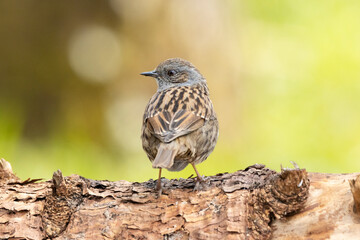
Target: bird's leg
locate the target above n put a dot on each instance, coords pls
(158, 185)
(199, 179)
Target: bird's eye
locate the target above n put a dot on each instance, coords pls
(171, 73)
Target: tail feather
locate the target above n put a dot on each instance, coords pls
(164, 157)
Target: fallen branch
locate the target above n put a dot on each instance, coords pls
(256, 203)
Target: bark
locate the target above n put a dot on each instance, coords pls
(255, 203)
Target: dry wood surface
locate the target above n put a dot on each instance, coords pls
(255, 203)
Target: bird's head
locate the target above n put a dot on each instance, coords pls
(175, 72)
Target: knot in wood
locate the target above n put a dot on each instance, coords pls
(67, 194)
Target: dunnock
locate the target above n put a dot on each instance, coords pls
(180, 124)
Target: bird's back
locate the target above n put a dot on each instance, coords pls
(181, 118)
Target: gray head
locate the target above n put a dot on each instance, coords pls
(175, 72)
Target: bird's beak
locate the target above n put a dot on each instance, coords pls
(150, 74)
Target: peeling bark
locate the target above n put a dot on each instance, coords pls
(246, 204)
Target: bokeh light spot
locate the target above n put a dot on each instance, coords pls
(123, 115)
(94, 53)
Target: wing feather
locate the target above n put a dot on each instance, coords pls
(167, 126)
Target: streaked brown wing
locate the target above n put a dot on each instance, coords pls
(167, 127)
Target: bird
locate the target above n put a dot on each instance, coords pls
(180, 126)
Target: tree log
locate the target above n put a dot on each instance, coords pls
(255, 203)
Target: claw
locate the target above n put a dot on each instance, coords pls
(159, 193)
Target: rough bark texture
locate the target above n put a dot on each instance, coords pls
(329, 212)
(355, 189)
(241, 205)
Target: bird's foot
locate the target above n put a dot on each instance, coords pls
(201, 183)
(158, 188)
(159, 192)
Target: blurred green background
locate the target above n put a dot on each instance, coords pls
(284, 78)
